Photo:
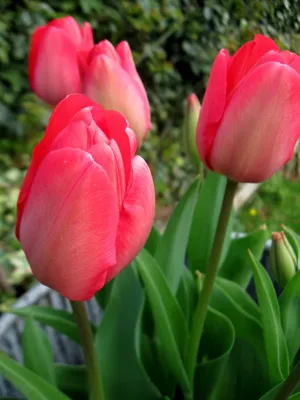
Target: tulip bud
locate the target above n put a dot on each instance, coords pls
(192, 111)
(283, 260)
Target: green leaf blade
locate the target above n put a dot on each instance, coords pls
(171, 249)
(169, 321)
(37, 352)
(61, 320)
(216, 344)
(289, 303)
(205, 221)
(275, 344)
(117, 343)
(237, 265)
(27, 382)
(246, 376)
(72, 380)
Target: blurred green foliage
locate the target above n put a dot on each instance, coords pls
(174, 43)
(272, 205)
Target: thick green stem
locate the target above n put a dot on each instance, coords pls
(212, 267)
(290, 384)
(86, 338)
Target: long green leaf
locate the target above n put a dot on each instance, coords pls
(169, 320)
(153, 241)
(272, 393)
(103, 296)
(238, 295)
(205, 221)
(61, 320)
(171, 249)
(216, 344)
(289, 303)
(28, 383)
(72, 380)
(187, 295)
(275, 344)
(117, 343)
(237, 265)
(37, 352)
(246, 375)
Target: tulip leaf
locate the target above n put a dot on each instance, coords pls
(37, 352)
(187, 295)
(157, 370)
(171, 250)
(61, 320)
(246, 375)
(72, 380)
(32, 386)
(205, 221)
(169, 320)
(117, 342)
(289, 303)
(274, 391)
(215, 347)
(239, 296)
(237, 265)
(275, 344)
(153, 241)
(102, 296)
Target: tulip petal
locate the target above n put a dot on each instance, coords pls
(89, 137)
(111, 86)
(55, 72)
(246, 57)
(35, 43)
(116, 125)
(132, 141)
(68, 229)
(70, 26)
(261, 125)
(85, 47)
(123, 50)
(213, 105)
(284, 57)
(65, 110)
(104, 48)
(136, 216)
(87, 37)
(59, 119)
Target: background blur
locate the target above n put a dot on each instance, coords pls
(174, 43)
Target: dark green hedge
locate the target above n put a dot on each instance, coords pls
(174, 43)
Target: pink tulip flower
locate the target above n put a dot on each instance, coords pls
(87, 203)
(250, 117)
(57, 56)
(111, 80)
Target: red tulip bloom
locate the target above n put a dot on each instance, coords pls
(250, 117)
(111, 79)
(64, 60)
(87, 203)
(57, 56)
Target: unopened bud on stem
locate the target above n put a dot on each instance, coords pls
(283, 260)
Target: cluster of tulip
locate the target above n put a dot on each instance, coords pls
(86, 210)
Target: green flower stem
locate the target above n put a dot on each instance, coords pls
(290, 384)
(205, 294)
(86, 338)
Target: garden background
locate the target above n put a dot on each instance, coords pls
(174, 43)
